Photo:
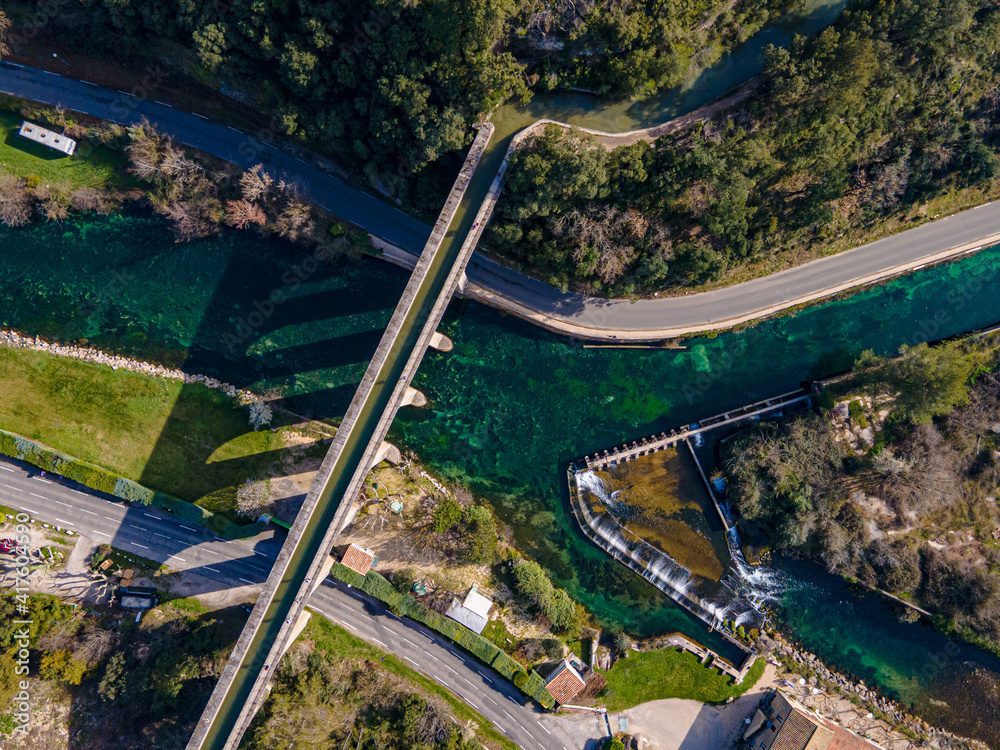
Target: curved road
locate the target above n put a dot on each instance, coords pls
(154, 534)
(573, 314)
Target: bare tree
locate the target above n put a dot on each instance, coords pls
(253, 498)
(243, 213)
(91, 199)
(256, 183)
(191, 220)
(260, 413)
(54, 201)
(15, 202)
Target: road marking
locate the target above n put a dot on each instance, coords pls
(6, 468)
(255, 567)
(88, 83)
(43, 481)
(149, 514)
(103, 534)
(544, 729)
(408, 641)
(68, 523)
(410, 660)
(302, 160)
(108, 518)
(491, 701)
(88, 511)
(52, 74)
(447, 667)
(57, 501)
(135, 527)
(125, 93)
(163, 103)
(35, 494)
(212, 551)
(271, 145)
(500, 728)
(212, 569)
(379, 643)
(141, 546)
(11, 487)
(161, 535)
(27, 509)
(186, 527)
(175, 557)
(258, 553)
(246, 581)
(201, 116)
(434, 658)
(509, 716)
(237, 130)
(79, 493)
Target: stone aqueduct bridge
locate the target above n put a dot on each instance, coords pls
(304, 561)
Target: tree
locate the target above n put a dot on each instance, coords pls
(447, 514)
(553, 648)
(115, 682)
(60, 666)
(253, 498)
(15, 202)
(481, 535)
(260, 413)
(4, 34)
(925, 381)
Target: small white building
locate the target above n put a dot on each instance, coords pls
(56, 141)
(474, 612)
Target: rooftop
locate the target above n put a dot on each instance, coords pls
(56, 141)
(358, 559)
(565, 682)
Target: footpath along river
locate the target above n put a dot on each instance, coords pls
(510, 405)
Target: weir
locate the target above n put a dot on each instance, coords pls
(304, 559)
(737, 598)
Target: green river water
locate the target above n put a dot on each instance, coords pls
(511, 405)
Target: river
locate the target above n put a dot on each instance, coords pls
(510, 405)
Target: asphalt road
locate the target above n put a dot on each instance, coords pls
(159, 536)
(382, 220)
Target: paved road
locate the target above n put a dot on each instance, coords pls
(571, 313)
(157, 535)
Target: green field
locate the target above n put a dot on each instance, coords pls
(669, 673)
(91, 166)
(188, 441)
(336, 640)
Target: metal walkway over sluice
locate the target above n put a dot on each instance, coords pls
(304, 560)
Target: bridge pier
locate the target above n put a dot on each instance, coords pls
(323, 573)
(440, 342)
(463, 281)
(386, 452)
(413, 397)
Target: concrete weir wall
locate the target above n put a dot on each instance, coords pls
(213, 730)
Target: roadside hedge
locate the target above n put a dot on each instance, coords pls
(102, 480)
(483, 649)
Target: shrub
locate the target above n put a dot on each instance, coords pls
(520, 680)
(826, 400)
(553, 648)
(342, 573)
(479, 647)
(613, 743)
(126, 489)
(448, 513)
(857, 414)
(505, 665)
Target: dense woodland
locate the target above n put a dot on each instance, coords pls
(915, 510)
(893, 105)
(389, 86)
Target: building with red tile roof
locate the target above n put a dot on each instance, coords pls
(564, 683)
(358, 559)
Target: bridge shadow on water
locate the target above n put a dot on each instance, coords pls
(304, 327)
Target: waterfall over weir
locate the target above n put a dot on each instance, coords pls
(736, 599)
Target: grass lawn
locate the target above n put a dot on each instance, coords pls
(188, 441)
(336, 640)
(669, 673)
(90, 166)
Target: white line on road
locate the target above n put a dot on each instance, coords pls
(256, 567)
(149, 514)
(43, 481)
(234, 129)
(68, 523)
(161, 535)
(163, 103)
(491, 701)
(58, 501)
(509, 716)
(175, 557)
(88, 511)
(201, 116)
(434, 658)
(351, 627)
(186, 527)
(213, 552)
(142, 546)
(245, 580)
(302, 160)
(79, 493)
(212, 569)
(52, 74)
(411, 661)
(544, 729)
(447, 667)
(103, 534)
(258, 553)
(11, 487)
(135, 527)
(109, 518)
(27, 509)
(88, 83)
(34, 494)
(6, 468)
(379, 643)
